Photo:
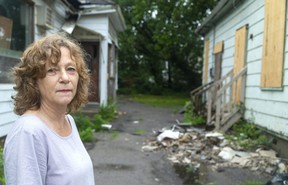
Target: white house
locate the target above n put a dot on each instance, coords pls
(244, 44)
(94, 23)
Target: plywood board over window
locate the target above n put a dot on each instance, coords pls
(206, 62)
(273, 44)
(239, 59)
(218, 50)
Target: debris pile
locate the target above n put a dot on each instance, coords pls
(195, 146)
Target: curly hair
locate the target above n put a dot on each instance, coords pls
(32, 67)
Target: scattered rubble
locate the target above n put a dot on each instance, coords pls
(196, 146)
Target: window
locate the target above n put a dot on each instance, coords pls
(16, 25)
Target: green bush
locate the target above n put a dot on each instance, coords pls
(98, 121)
(87, 126)
(87, 134)
(191, 117)
(108, 112)
(247, 135)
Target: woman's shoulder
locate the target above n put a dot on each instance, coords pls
(26, 127)
(29, 123)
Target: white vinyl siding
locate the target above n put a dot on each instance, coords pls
(7, 116)
(268, 109)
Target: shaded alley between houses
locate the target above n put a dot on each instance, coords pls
(131, 153)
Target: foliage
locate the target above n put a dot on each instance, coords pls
(2, 180)
(98, 122)
(247, 135)
(108, 112)
(160, 43)
(190, 117)
(87, 134)
(87, 126)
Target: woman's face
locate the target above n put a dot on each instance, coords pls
(59, 86)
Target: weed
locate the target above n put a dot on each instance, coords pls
(2, 180)
(140, 131)
(108, 112)
(98, 121)
(87, 134)
(114, 135)
(191, 117)
(247, 135)
(87, 126)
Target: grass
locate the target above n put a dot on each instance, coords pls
(2, 180)
(253, 182)
(139, 131)
(175, 101)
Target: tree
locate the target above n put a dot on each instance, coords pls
(160, 37)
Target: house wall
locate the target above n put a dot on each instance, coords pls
(7, 116)
(58, 17)
(266, 108)
(103, 25)
(99, 23)
(95, 22)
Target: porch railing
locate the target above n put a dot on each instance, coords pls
(220, 101)
(199, 98)
(227, 101)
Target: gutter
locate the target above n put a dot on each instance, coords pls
(113, 10)
(221, 9)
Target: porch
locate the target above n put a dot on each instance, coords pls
(221, 102)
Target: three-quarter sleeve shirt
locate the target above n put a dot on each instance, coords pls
(36, 155)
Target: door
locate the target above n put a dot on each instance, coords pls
(92, 49)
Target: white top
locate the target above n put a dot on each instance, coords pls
(36, 155)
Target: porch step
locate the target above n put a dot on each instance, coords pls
(230, 122)
(91, 109)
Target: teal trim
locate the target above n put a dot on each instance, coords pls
(272, 88)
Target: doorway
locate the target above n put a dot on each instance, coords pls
(92, 49)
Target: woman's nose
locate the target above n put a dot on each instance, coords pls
(64, 77)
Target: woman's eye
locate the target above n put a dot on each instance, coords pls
(52, 71)
(71, 69)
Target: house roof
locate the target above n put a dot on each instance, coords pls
(78, 3)
(98, 7)
(221, 9)
(112, 10)
(86, 34)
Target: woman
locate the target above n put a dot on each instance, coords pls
(44, 147)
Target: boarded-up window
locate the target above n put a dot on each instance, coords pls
(218, 50)
(239, 59)
(273, 44)
(206, 62)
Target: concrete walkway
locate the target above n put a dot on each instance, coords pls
(117, 155)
